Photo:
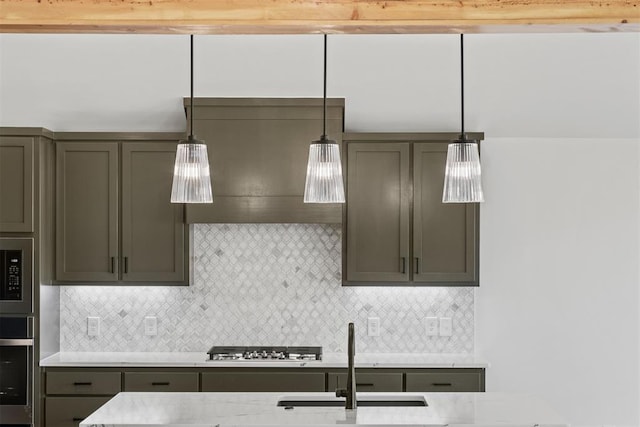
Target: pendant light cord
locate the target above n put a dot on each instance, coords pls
(324, 96)
(191, 118)
(462, 136)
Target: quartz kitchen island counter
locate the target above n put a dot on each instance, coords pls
(259, 409)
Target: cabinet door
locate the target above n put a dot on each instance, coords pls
(460, 380)
(263, 381)
(83, 382)
(86, 211)
(70, 411)
(444, 234)
(16, 184)
(153, 236)
(161, 381)
(375, 382)
(378, 212)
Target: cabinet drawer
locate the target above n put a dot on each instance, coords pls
(70, 411)
(267, 381)
(160, 381)
(81, 382)
(367, 381)
(445, 381)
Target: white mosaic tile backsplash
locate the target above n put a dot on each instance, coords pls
(264, 284)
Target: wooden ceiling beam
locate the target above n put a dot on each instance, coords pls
(316, 16)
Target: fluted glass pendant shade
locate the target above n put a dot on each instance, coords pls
(191, 177)
(324, 173)
(462, 179)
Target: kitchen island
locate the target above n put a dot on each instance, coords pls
(260, 409)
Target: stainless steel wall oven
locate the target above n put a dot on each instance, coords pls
(16, 370)
(16, 332)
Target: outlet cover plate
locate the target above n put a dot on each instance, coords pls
(446, 326)
(373, 326)
(431, 326)
(151, 326)
(93, 326)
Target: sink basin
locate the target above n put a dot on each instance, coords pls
(290, 402)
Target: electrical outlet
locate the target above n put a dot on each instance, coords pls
(151, 325)
(446, 326)
(431, 326)
(373, 326)
(93, 326)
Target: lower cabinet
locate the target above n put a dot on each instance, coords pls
(72, 394)
(83, 383)
(161, 381)
(366, 381)
(70, 411)
(263, 381)
(446, 380)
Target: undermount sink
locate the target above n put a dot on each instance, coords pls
(290, 402)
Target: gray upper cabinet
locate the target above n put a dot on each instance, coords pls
(153, 230)
(16, 184)
(444, 234)
(114, 220)
(378, 204)
(397, 229)
(258, 150)
(87, 211)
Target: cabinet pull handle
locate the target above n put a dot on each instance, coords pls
(126, 265)
(403, 265)
(417, 265)
(161, 383)
(365, 384)
(82, 383)
(76, 419)
(441, 384)
(113, 264)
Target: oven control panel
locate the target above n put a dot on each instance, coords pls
(11, 281)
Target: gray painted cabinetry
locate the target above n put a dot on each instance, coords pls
(258, 150)
(114, 220)
(397, 229)
(16, 183)
(71, 394)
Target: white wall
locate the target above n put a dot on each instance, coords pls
(558, 302)
(571, 85)
(557, 311)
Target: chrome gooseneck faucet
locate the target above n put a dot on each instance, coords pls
(350, 391)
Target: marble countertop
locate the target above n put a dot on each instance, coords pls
(330, 360)
(259, 409)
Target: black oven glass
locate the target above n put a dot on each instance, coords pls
(14, 375)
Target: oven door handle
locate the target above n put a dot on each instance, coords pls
(16, 342)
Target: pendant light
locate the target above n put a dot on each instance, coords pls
(191, 177)
(462, 179)
(324, 170)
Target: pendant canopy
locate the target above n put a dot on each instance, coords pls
(191, 175)
(463, 175)
(324, 182)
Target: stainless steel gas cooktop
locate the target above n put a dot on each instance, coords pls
(266, 353)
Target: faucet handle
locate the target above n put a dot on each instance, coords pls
(341, 392)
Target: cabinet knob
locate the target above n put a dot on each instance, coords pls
(403, 265)
(113, 264)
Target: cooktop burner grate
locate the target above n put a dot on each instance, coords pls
(266, 353)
